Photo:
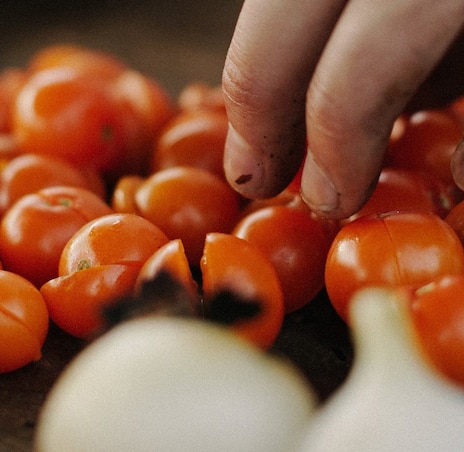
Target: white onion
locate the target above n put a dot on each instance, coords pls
(392, 400)
(171, 384)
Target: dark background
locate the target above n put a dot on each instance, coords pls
(176, 41)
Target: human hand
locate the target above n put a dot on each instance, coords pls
(327, 77)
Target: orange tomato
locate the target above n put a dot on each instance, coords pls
(170, 258)
(393, 249)
(296, 243)
(192, 138)
(35, 229)
(427, 143)
(23, 322)
(406, 190)
(239, 281)
(29, 173)
(70, 115)
(99, 265)
(91, 61)
(438, 315)
(187, 203)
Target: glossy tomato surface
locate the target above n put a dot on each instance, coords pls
(35, 229)
(241, 288)
(296, 243)
(23, 322)
(28, 173)
(117, 238)
(187, 203)
(405, 248)
(70, 115)
(438, 315)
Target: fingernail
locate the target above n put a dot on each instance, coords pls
(317, 190)
(243, 171)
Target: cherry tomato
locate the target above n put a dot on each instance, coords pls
(123, 198)
(23, 322)
(296, 243)
(99, 265)
(438, 315)
(455, 219)
(76, 301)
(393, 249)
(187, 203)
(171, 258)
(118, 238)
(34, 231)
(192, 138)
(198, 95)
(99, 64)
(70, 115)
(11, 81)
(231, 265)
(406, 190)
(29, 173)
(427, 143)
(145, 107)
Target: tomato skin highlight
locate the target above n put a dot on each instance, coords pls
(28, 173)
(192, 138)
(76, 301)
(118, 238)
(187, 203)
(392, 249)
(438, 315)
(231, 264)
(70, 115)
(34, 231)
(297, 244)
(24, 322)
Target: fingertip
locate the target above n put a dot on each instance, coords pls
(244, 172)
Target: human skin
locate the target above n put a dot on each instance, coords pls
(326, 79)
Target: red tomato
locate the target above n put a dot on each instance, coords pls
(171, 258)
(427, 143)
(23, 322)
(76, 301)
(118, 238)
(455, 219)
(394, 249)
(235, 267)
(29, 173)
(11, 81)
(187, 203)
(71, 115)
(296, 243)
(96, 63)
(192, 138)
(34, 231)
(145, 107)
(406, 190)
(98, 265)
(438, 314)
(123, 198)
(198, 95)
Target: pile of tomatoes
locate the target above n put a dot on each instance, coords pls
(106, 183)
